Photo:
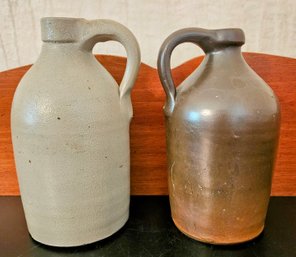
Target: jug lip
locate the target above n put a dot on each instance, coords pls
(59, 18)
(61, 29)
(230, 36)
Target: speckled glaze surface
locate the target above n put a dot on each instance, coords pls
(70, 130)
(222, 127)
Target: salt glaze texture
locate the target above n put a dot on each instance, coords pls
(222, 127)
(70, 131)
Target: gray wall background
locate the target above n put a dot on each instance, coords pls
(269, 25)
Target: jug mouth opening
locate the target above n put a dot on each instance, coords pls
(61, 29)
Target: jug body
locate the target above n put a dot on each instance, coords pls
(70, 131)
(222, 126)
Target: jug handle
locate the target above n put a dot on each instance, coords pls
(105, 30)
(207, 40)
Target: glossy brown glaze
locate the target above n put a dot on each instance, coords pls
(222, 127)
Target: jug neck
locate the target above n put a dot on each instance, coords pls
(230, 56)
(58, 46)
(58, 51)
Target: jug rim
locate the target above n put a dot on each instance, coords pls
(234, 36)
(61, 29)
(60, 18)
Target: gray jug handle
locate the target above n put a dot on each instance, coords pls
(95, 31)
(207, 40)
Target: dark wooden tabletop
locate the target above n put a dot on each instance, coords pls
(148, 152)
(151, 232)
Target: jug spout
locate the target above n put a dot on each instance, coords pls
(228, 37)
(61, 29)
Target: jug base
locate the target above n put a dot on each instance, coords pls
(83, 239)
(219, 240)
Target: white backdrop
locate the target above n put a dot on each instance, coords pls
(269, 25)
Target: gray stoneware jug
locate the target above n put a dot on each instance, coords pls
(222, 127)
(70, 131)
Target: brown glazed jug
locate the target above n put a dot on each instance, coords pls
(222, 127)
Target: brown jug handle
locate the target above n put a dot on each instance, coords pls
(95, 31)
(207, 40)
